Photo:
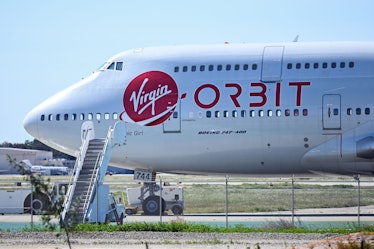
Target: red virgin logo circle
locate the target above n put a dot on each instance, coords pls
(150, 98)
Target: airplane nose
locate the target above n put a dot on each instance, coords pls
(30, 124)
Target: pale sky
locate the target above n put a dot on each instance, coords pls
(46, 46)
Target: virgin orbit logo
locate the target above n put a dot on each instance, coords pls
(150, 98)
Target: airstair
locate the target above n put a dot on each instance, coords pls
(87, 196)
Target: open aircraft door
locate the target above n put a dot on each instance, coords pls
(331, 112)
(272, 59)
(173, 123)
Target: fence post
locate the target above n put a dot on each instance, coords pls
(358, 200)
(227, 203)
(293, 201)
(160, 199)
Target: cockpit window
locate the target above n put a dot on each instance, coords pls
(111, 66)
(119, 65)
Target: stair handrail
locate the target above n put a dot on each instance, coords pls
(95, 173)
(76, 171)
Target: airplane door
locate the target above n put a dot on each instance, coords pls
(272, 58)
(173, 124)
(331, 112)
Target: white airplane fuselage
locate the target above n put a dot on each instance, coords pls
(290, 108)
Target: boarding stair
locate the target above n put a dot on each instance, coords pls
(87, 197)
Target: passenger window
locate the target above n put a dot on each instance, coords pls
(202, 68)
(315, 65)
(298, 65)
(98, 116)
(42, 117)
(193, 68)
(115, 116)
(307, 65)
(237, 67)
(234, 114)
(245, 67)
(90, 116)
(58, 117)
(243, 113)
(287, 112)
(351, 64)
(324, 65)
(228, 67)
(50, 117)
(226, 114)
(270, 113)
(211, 67)
(296, 112)
(358, 111)
(342, 64)
(184, 69)
(260, 113)
(305, 112)
(175, 114)
(252, 113)
(278, 113)
(66, 116)
(176, 69)
(81, 116)
(289, 66)
(106, 116)
(119, 66)
(336, 111)
(367, 111)
(208, 114)
(333, 65)
(111, 66)
(349, 111)
(217, 114)
(74, 116)
(219, 68)
(254, 66)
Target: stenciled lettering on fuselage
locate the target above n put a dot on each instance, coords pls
(151, 97)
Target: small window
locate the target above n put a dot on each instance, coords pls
(217, 114)
(261, 113)
(176, 69)
(298, 65)
(254, 66)
(305, 112)
(278, 113)
(228, 67)
(237, 67)
(336, 111)
(50, 117)
(42, 117)
(193, 68)
(119, 66)
(202, 68)
(234, 114)
(289, 66)
(270, 113)
(351, 64)
(243, 113)
(333, 65)
(58, 117)
(219, 68)
(349, 111)
(287, 112)
(211, 67)
(245, 67)
(208, 114)
(184, 69)
(66, 116)
(111, 66)
(81, 116)
(252, 113)
(324, 65)
(106, 116)
(74, 116)
(98, 116)
(115, 116)
(358, 111)
(315, 65)
(90, 116)
(296, 112)
(225, 114)
(307, 65)
(175, 114)
(200, 114)
(342, 64)
(367, 111)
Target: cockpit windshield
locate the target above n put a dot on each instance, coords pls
(112, 65)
